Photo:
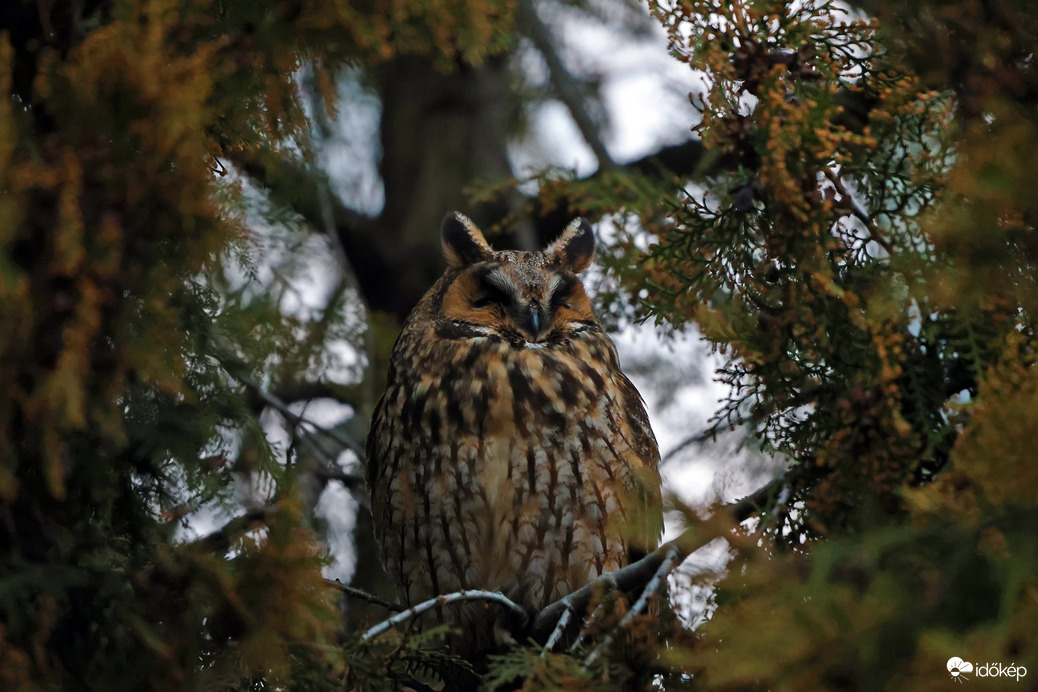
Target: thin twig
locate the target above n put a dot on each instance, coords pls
(224, 353)
(556, 634)
(660, 577)
(294, 418)
(566, 85)
(362, 595)
(305, 390)
(415, 611)
(607, 585)
(858, 212)
(697, 439)
(219, 541)
(292, 449)
(637, 574)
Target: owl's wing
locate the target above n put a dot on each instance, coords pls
(374, 444)
(644, 461)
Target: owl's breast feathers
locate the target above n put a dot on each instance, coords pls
(526, 468)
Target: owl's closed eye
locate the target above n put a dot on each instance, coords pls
(526, 297)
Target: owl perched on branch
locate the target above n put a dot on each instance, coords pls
(509, 453)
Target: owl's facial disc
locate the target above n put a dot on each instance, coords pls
(520, 303)
(532, 321)
(521, 299)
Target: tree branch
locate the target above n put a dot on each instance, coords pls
(852, 205)
(219, 541)
(224, 353)
(556, 634)
(652, 588)
(362, 595)
(607, 585)
(304, 390)
(638, 574)
(415, 611)
(372, 253)
(297, 419)
(709, 434)
(688, 160)
(566, 85)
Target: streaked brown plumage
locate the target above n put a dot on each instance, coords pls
(509, 452)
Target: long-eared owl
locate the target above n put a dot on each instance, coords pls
(509, 452)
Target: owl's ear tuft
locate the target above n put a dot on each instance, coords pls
(575, 248)
(463, 242)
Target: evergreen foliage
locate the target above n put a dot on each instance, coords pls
(123, 355)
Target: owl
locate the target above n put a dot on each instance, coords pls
(509, 452)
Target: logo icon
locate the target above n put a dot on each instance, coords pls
(958, 668)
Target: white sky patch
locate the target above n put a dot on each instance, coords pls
(352, 154)
(552, 140)
(338, 508)
(644, 89)
(644, 92)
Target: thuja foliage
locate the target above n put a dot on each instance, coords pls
(863, 257)
(810, 263)
(118, 413)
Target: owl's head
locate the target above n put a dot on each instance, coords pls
(526, 297)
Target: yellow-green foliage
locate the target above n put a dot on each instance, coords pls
(113, 221)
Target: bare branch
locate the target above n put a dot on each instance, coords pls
(637, 574)
(653, 587)
(688, 160)
(224, 353)
(351, 481)
(607, 585)
(851, 204)
(305, 390)
(362, 595)
(556, 634)
(710, 434)
(373, 253)
(375, 250)
(467, 595)
(566, 85)
(297, 419)
(220, 541)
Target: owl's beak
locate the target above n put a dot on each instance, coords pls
(533, 321)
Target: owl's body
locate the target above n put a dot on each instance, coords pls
(509, 452)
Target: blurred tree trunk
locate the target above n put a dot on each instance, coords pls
(440, 132)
